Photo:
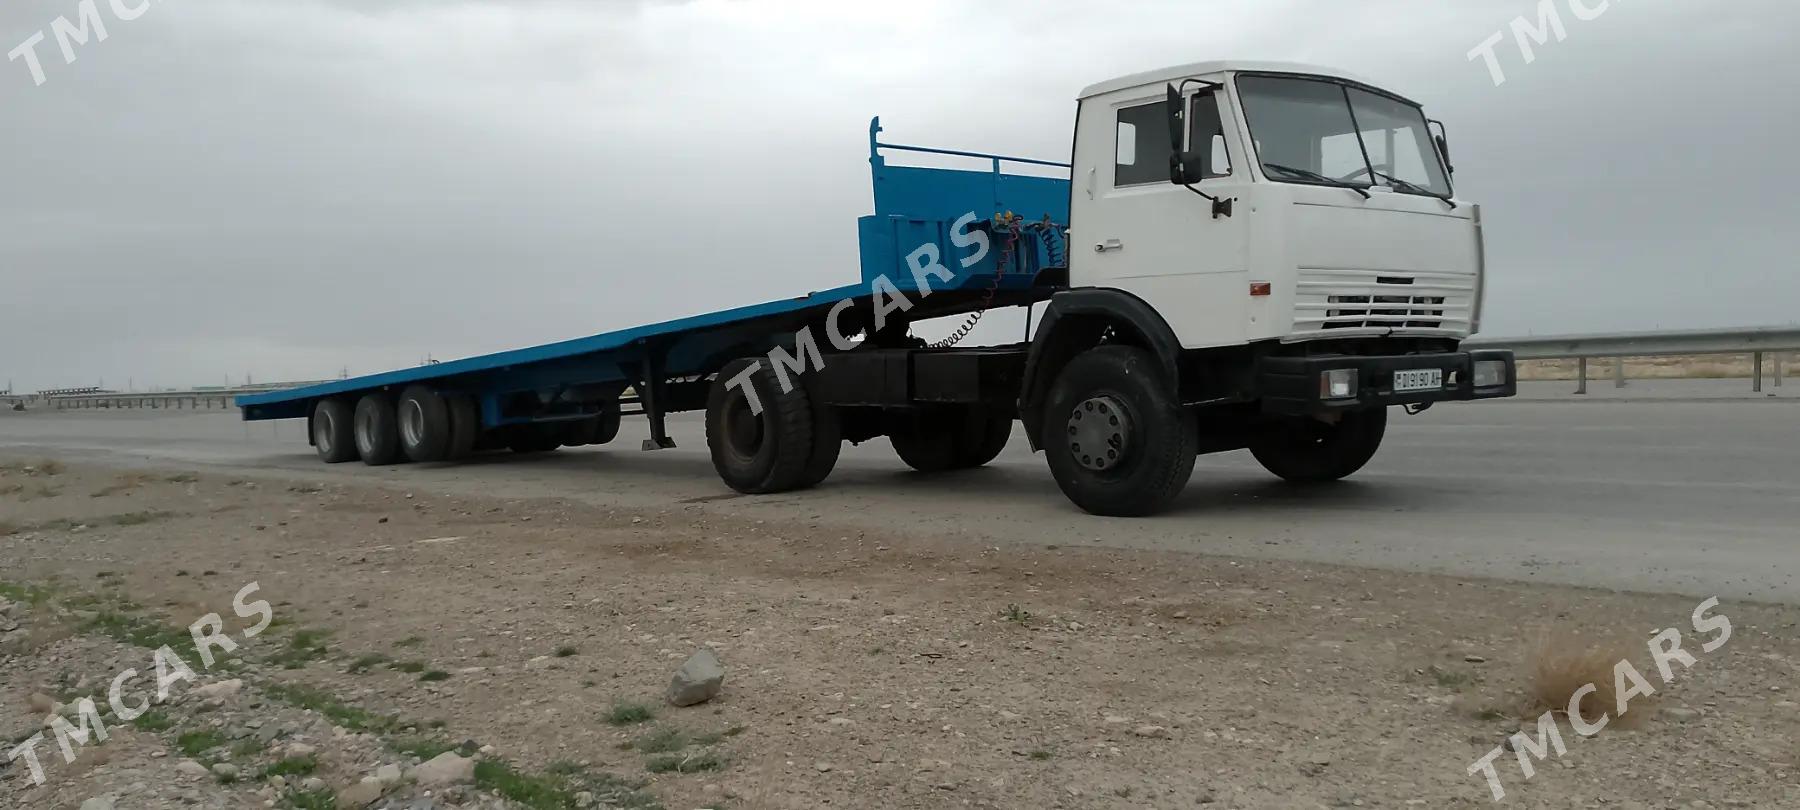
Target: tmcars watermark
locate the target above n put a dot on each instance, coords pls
(89, 24)
(926, 263)
(207, 633)
(1530, 35)
(1665, 650)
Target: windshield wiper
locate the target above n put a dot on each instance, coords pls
(1414, 188)
(1319, 178)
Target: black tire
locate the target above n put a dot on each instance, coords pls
(1312, 452)
(763, 452)
(377, 432)
(1122, 398)
(580, 432)
(465, 426)
(607, 425)
(926, 440)
(424, 424)
(334, 431)
(950, 438)
(827, 443)
(537, 437)
(985, 435)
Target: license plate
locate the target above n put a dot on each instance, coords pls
(1418, 379)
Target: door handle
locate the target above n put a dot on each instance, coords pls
(1110, 244)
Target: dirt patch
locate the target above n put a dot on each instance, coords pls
(863, 669)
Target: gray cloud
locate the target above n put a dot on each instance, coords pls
(292, 188)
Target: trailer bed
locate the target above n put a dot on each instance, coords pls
(1025, 217)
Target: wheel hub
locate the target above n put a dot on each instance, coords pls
(322, 432)
(1099, 433)
(412, 422)
(743, 430)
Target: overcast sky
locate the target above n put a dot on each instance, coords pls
(292, 188)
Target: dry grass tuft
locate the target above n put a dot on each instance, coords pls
(1560, 662)
(124, 483)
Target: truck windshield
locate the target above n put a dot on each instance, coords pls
(1340, 132)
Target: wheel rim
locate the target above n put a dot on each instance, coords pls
(322, 431)
(1099, 433)
(361, 426)
(412, 422)
(743, 429)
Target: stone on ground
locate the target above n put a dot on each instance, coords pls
(445, 769)
(699, 680)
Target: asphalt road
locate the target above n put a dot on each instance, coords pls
(1668, 492)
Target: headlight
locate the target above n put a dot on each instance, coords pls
(1489, 373)
(1338, 383)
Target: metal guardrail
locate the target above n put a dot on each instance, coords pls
(195, 398)
(1753, 341)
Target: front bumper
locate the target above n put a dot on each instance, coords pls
(1290, 385)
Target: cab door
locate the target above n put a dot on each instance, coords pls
(1136, 231)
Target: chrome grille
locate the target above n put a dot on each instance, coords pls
(1327, 299)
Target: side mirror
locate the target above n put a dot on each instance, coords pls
(1185, 168)
(1174, 111)
(1443, 144)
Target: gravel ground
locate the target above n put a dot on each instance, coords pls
(535, 639)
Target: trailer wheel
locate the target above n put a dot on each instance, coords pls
(1312, 452)
(607, 425)
(465, 426)
(424, 424)
(334, 431)
(759, 452)
(951, 438)
(377, 430)
(1117, 445)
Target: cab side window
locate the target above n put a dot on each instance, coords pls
(1143, 145)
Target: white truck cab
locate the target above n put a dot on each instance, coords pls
(1336, 213)
(1262, 256)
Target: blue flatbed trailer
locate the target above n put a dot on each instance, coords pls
(1276, 309)
(522, 391)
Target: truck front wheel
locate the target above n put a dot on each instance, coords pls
(1117, 443)
(1311, 451)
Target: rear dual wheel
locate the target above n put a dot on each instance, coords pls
(419, 425)
(950, 438)
(780, 442)
(600, 429)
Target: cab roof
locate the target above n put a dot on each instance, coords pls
(1170, 74)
